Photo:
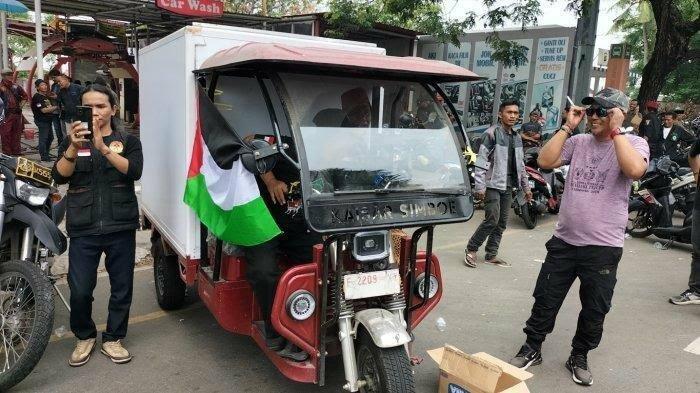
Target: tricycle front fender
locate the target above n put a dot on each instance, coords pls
(385, 328)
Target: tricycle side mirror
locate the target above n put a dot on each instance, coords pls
(262, 159)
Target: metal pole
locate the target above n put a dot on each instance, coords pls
(3, 39)
(583, 62)
(39, 39)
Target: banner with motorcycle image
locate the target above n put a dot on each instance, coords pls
(514, 80)
(483, 93)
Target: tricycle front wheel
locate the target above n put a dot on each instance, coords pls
(385, 370)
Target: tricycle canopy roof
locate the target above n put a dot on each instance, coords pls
(315, 58)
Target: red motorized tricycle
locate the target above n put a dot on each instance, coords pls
(363, 179)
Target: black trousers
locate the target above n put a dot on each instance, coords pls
(694, 280)
(262, 269)
(83, 258)
(45, 138)
(596, 268)
(496, 207)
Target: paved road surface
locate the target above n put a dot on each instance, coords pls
(485, 309)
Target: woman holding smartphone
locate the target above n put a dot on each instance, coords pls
(100, 167)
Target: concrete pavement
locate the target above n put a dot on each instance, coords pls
(485, 310)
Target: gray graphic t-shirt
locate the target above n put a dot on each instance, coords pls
(594, 205)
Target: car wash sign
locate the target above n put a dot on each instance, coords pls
(206, 8)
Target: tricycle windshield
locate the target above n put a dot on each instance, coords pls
(374, 136)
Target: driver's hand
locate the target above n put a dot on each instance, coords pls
(480, 195)
(278, 189)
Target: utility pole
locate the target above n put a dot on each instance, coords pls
(584, 49)
(39, 37)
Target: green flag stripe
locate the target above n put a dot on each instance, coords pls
(249, 224)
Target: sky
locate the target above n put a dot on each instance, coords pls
(552, 14)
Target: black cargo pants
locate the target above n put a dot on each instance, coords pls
(83, 259)
(694, 280)
(596, 268)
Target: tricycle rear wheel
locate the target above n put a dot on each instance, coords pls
(170, 289)
(385, 370)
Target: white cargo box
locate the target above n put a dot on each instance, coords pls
(167, 97)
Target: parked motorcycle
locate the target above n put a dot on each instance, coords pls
(547, 186)
(652, 206)
(30, 211)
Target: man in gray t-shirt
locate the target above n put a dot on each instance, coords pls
(587, 242)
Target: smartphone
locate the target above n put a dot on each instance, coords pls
(85, 117)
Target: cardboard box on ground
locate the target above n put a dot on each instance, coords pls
(477, 373)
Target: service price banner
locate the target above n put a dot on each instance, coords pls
(550, 70)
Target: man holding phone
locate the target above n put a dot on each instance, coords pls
(588, 239)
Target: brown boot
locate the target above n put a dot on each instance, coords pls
(116, 352)
(81, 353)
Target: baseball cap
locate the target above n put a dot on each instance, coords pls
(608, 98)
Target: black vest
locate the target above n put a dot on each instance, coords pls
(100, 199)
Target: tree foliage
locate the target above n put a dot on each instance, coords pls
(426, 17)
(272, 7)
(636, 21)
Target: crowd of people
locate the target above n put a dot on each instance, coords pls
(53, 107)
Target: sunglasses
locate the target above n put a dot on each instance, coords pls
(598, 110)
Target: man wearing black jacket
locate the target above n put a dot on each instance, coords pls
(650, 129)
(675, 139)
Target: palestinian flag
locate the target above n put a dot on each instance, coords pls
(224, 194)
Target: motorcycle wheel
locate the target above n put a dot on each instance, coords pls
(385, 370)
(529, 215)
(26, 320)
(170, 289)
(639, 224)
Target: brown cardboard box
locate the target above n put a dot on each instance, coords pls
(477, 373)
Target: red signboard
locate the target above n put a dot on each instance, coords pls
(193, 7)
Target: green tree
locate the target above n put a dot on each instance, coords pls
(426, 17)
(638, 24)
(272, 7)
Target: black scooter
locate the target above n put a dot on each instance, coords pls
(30, 211)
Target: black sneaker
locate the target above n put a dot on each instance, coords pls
(578, 365)
(687, 297)
(526, 357)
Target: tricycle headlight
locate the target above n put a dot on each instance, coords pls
(35, 196)
(301, 305)
(371, 246)
(420, 286)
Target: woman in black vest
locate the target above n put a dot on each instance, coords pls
(102, 217)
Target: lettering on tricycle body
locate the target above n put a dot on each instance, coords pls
(379, 213)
